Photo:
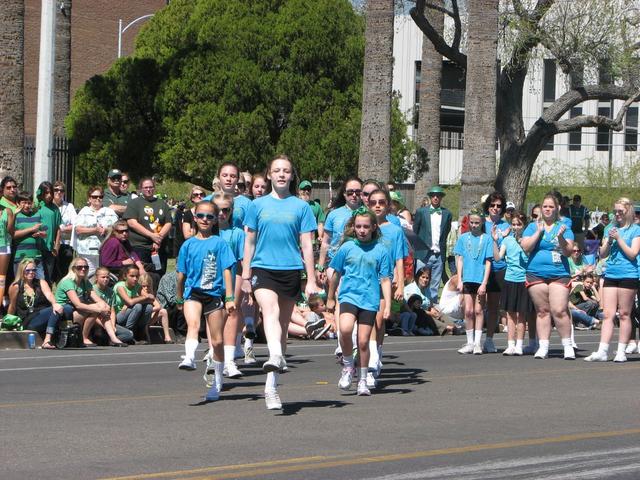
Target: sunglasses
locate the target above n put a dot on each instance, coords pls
(11, 187)
(207, 216)
(126, 230)
(349, 193)
(495, 205)
(116, 179)
(306, 189)
(365, 194)
(197, 194)
(96, 196)
(81, 267)
(58, 190)
(124, 181)
(226, 211)
(30, 270)
(381, 202)
(534, 215)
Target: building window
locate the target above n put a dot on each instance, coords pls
(575, 137)
(631, 130)
(549, 83)
(603, 135)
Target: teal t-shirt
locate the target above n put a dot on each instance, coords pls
(516, 260)
(67, 284)
(474, 250)
(545, 260)
(618, 265)
(51, 218)
(334, 226)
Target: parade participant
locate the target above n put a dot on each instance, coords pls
(272, 262)
(364, 266)
(204, 288)
(229, 176)
(473, 258)
(258, 186)
(548, 242)
(188, 224)
(621, 245)
(514, 298)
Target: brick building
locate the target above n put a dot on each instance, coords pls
(94, 43)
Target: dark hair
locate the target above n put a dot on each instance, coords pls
(493, 196)
(339, 200)
(420, 271)
(6, 180)
(93, 189)
(413, 299)
(557, 195)
(386, 195)
(293, 184)
(314, 301)
(371, 181)
(349, 228)
(24, 196)
(589, 235)
(125, 271)
(229, 164)
(518, 215)
(215, 230)
(42, 188)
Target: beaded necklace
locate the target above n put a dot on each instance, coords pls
(29, 299)
(475, 253)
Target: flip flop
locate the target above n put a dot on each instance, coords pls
(90, 344)
(47, 346)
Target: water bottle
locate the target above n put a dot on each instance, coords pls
(31, 339)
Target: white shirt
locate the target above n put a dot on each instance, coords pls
(450, 303)
(89, 244)
(436, 220)
(68, 213)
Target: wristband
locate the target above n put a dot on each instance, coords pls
(319, 267)
(230, 299)
(179, 301)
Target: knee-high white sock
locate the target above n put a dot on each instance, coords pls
(603, 347)
(477, 337)
(271, 385)
(469, 336)
(373, 354)
(229, 351)
(275, 348)
(190, 346)
(218, 368)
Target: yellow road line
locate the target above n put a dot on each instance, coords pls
(322, 462)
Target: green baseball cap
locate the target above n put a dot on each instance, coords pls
(396, 197)
(436, 190)
(305, 184)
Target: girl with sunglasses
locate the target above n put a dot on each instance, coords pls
(204, 288)
(188, 220)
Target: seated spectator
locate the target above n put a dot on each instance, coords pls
(31, 299)
(81, 303)
(599, 229)
(296, 327)
(319, 322)
(402, 318)
(577, 265)
(584, 302)
(451, 300)
(116, 252)
(591, 246)
(119, 336)
(133, 308)
(166, 295)
(159, 314)
(29, 234)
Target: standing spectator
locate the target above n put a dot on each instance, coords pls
(91, 228)
(433, 224)
(149, 221)
(579, 219)
(509, 211)
(9, 188)
(601, 226)
(51, 219)
(69, 215)
(7, 230)
(304, 193)
(124, 186)
(29, 234)
(114, 197)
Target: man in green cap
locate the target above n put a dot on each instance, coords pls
(432, 225)
(304, 193)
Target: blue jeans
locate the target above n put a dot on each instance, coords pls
(578, 316)
(135, 318)
(46, 320)
(124, 334)
(408, 321)
(433, 260)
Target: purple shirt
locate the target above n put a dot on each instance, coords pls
(113, 252)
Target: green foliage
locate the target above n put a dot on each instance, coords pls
(232, 81)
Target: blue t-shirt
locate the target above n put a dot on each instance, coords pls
(474, 250)
(240, 205)
(334, 225)
(394, 240)
(541, 259)
(202, 262)
(361, 267)
(516, 260)
(234, 237)
(618, 265)
(278, 224)
(503, 225)
(393, 219)
(567, 221)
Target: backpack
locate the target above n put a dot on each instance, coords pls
(68, 336)
(11, 322)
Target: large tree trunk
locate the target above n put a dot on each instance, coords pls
(62, 80)
(428, 135)
(479, 160)
(11, 88)
(375, 132)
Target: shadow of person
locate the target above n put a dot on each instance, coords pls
(294, 407)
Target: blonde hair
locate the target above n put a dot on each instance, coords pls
(21, 267)
(71, 274)
(146, 280)
(629, 211)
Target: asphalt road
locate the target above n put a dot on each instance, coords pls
(115, 413)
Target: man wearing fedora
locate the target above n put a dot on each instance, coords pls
(432, 225)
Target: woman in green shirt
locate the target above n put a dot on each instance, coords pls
(81, 303)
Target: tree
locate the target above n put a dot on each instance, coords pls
(230, 81)
(576, 34)
(479, 157)
(62, 81)
(12, 89)
(375, 141)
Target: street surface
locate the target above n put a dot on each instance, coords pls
(130, 413)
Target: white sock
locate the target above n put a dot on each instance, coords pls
(363, 373)
(603, 347)
(271, 385)
(566, 342)
(621, 347)
(469, 336)
(275, 348)
(248, 343)
(373, 354)
(218, 367)
(511, 343)
(190, 346)
(229, 353)
(477, 338)
(348, 361)
(519, 344)
(338, 337)
(543, 345)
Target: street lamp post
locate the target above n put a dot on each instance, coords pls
(122, 30)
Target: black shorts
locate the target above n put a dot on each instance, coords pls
(285, 283)
(630, 283)
(515, 298)
(470, 287)
(496, 281)
(534, 280)
(209, 303)
(364, 317)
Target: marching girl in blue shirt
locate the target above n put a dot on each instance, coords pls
(203, 279)
(278, 225)
(392, 237)
(549, 242)
(364, 265)
(473, 252)
(622, 245)
(228, 176)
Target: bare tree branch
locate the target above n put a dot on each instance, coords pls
(439, 8)
(458, 24)
(576, 96)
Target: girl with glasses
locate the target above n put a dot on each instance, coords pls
(188, 225)
(91, 228)
(204, 288)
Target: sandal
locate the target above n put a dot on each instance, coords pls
(169, 342)
(48, 346)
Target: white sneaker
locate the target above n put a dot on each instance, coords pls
(530, 349)
(231, 370)
(541, 353)
(213, 394)
(346, 377)
(517, 351)
(466, 348)
(509, 351)
(272, 399)
(631, 348)
(569, 353)
(477, 349)
(363, 390)
(209, 371)
(489, 346)
(371, 381)
(620, 357)
(597, 356)
(274, 364)
(187, 364)
(249, 356)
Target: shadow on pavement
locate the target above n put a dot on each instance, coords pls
(295, 407)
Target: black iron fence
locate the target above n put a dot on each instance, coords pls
(61, 158)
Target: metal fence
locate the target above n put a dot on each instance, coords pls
(62, 160)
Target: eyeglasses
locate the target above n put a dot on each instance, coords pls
(124, 181)
(81, 267)
(495, 205)
(226, 211)
(381, 202)
(307, 189)
(96, 196)
(203, 216)
(125, 230)
(349, 193)
(61, 190)
(197, 194)
(534, 215)
(576, 251)
(10, 187)
(30, 270)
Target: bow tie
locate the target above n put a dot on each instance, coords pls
(435, 210)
